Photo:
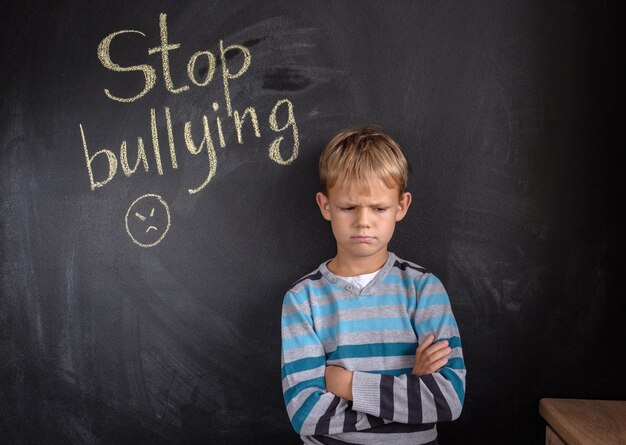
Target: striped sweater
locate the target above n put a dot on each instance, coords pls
(374, 332)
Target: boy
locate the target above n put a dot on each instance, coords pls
(371, 352)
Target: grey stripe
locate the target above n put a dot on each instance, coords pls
(432, 311)
(373, 336)
(365, 437)
(375, 363)
(361, 313)
(433, 288)
(395, 427)
(295, 330)
(301, 352)
(326, 440)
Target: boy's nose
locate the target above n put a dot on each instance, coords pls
(362, 219)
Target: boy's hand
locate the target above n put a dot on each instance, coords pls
(339, 382)
(430, 357)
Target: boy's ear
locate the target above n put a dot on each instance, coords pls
(324, 205)
(403, 205)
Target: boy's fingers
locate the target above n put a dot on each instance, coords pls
(426, 343)
(436, 366)
(439, 354)
(437, 347)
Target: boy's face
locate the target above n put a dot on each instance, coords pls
(363, 218)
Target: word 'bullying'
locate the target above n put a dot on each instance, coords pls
(283, 110)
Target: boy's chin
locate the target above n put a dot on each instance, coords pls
(363, 252)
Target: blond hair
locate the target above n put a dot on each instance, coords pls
(357, 153)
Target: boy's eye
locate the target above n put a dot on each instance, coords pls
(381, 209)
(347, 209)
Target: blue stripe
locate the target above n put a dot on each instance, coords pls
(433, 300)
(456, 382)
(299, 341)
(372, 350)
(295, 318)
(434, 324)
(318, 382)
(368, 324)
(456, 363)
(453, 342)
(300, 416)
(303, 364)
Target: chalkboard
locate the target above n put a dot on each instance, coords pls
(159, 167)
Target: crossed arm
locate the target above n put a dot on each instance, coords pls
(322, 399)
(429, 358)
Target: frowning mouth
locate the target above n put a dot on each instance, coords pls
(363, 239)
(151, 227)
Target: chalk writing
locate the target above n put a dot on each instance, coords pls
(281, 119)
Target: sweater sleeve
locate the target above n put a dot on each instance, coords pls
(430, 398)
(311, 408)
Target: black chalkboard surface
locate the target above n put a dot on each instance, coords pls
(159, 166)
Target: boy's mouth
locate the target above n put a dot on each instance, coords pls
(363, 238)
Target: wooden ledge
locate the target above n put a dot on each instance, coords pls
(586, 422)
